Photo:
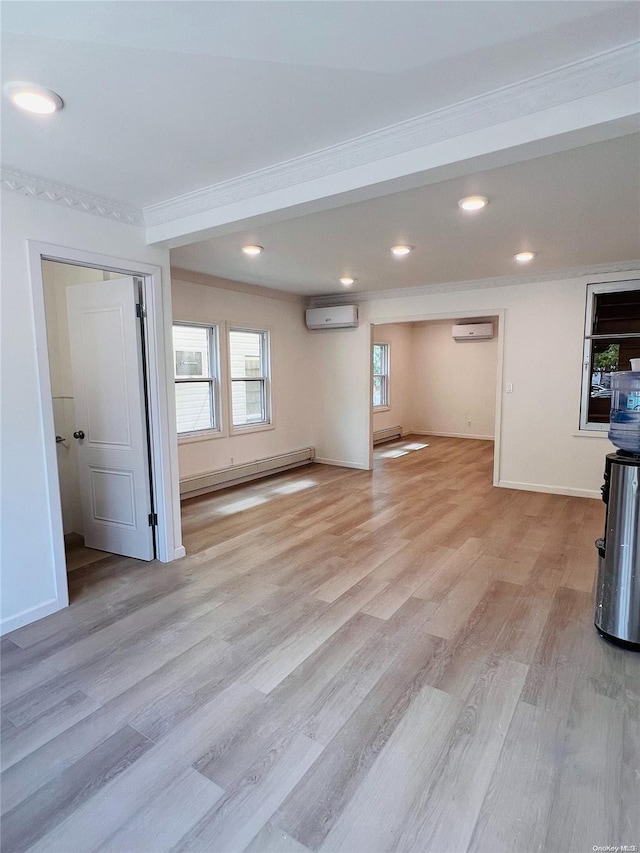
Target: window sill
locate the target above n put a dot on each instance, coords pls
(381, 409)
(592, 433)
(206, 435)
(250, 428)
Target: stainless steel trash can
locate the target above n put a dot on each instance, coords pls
(617, 589)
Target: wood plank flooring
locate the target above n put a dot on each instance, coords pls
(77, 556)
(366, 662)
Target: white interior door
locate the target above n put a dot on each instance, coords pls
(111, 430)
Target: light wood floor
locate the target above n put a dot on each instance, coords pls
(77, 556)
(401, 660)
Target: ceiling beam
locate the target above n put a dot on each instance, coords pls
(586, 102)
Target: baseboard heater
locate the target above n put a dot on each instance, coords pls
(387, 434)
(193, 486)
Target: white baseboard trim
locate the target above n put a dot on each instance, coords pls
(452, 434)
(179, 552)
(341, 463)
(550, 490)
(26, 617)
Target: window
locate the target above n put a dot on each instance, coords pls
(612, 337)
(249, 361)
(380, 375)
(195, 358)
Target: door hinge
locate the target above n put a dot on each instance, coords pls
(140, 312)
(153, 519)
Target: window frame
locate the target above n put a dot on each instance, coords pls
(266, 421)
(385, 376)
(593, 290)
(213, 380)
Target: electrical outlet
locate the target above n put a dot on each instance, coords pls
(231, 459)
(468, 423)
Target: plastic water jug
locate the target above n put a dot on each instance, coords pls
(624, 425)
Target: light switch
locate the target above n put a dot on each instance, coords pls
(509, 388)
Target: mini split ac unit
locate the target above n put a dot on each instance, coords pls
(335, 317)
(472, 331)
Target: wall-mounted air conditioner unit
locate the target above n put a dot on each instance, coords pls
(472, 331)
(336, 317)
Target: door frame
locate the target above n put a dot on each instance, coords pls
(162, 432)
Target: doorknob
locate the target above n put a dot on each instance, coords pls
(78, 434)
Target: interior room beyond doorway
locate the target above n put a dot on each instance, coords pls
(437, 385)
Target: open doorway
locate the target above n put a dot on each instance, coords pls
(162, 450)
(426, 382)
(92, 365)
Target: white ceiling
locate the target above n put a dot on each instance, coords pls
(168, 98)
(576, 208)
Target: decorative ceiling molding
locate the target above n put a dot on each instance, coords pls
(581, 79)
(44, 190)
(193, 277)
(632, 266)
(562, 85)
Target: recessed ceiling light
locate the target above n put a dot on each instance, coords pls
(347, 281)
(524, 257)
(399, 251)
(473, 202)
(33, 98)
(252, 250)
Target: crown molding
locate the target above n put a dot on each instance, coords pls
(477, 284)
(192, 277)
(71, 197)
(562, 85)
(591, 76)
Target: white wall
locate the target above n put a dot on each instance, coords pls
(543, 330)
(454, 382)
(320, 380)
(401, 376)
(29, 536)
(341, 403)
(291, 382)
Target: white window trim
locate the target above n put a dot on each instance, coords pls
(594, 288)
(200, 435)
(219, 430)
(267, 355)
(386, 406)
